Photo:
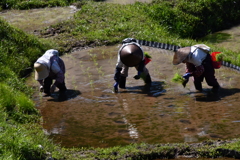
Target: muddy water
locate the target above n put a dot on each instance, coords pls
(92, 115)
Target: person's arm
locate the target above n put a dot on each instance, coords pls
(41, 85)
(141, 66)
(117, 73)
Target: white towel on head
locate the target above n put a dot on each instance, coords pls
(45, 58)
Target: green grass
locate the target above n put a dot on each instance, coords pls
(172, 22)
(26, 4)
(95, 24)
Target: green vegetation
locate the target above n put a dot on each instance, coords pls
(143, 21)
(20, 134)
(219, 57)
(177, 78)
(147, 55)
(172, 22)
(26, 4)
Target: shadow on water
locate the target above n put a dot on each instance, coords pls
(164, 112)
(208, 96)
(154, 90)
(64, 96)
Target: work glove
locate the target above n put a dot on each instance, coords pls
(115, 87)
(52, 89)
(41, 89)
(138, 76)
(185, 82)
(187, 75)
(186, 79)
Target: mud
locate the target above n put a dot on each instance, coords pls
(90, 114)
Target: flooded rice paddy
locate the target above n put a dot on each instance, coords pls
(92, 115)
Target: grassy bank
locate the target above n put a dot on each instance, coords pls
(98, 24)
(26, 4)
(180, 23)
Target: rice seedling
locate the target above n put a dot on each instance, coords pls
(219, 57)
(177, 78)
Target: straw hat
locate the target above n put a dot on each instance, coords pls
(180, 55)
(131, 55)
(41, 71)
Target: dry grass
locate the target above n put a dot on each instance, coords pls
(35, 19)
(232, 43)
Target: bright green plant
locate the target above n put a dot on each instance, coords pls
(219, 57)
(177, 78)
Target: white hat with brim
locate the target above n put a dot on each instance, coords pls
(41, 71)
(180, 55)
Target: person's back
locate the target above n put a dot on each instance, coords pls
(50, 67)
(130, 55)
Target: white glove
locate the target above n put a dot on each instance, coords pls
(41, 89)
(52, 89)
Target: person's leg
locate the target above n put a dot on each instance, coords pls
(62, 92)
(62, 87)
(123, 77)
(145, 75)
(198, 83)
(122, 82)
(209, 75)
(212, 81)
(47, 85)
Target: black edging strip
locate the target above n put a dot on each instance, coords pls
(174, 48)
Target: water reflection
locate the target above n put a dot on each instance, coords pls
(132, 130)
(133, 133)
(189, 138)
(164, 112)
(64, 96)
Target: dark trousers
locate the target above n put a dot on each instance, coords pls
(208, 74)
(47, 85)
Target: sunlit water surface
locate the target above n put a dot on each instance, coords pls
(92, 115)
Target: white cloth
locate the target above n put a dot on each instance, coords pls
(45, 59)
(196, 56)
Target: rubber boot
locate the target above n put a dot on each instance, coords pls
(148, 79)
(198, 86)
(122, 82)
(46, 86)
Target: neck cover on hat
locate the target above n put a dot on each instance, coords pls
(45, 59)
